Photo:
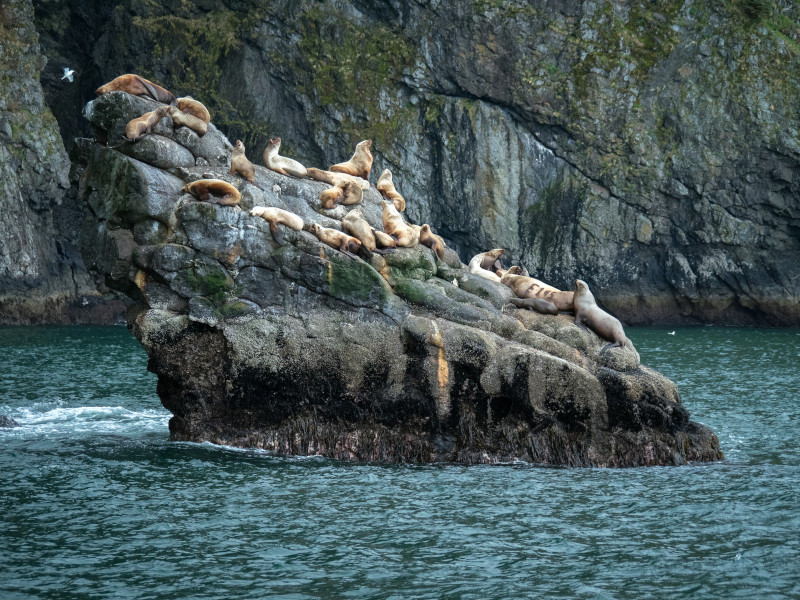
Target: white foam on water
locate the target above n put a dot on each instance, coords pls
(53, 417)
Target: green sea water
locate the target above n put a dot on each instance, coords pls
(95, 502)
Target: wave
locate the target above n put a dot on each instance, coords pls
(55, 417)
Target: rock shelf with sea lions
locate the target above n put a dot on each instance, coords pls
(359, 164)
(138, 86)
(603, 324)
(281, 164)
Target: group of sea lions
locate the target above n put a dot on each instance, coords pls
(348, 180)
(536, 295)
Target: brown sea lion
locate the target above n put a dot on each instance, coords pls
(277, 216)
(386, 187)
(182, 119)
(280, 164)
(431, 240)
(537, 304)
(136, 128)
(353, 194)
(138, 86)
(336, 178)
(329, 197)
(603, 324)
(213, 190)
(240, 164)
(336, 239)
(486, 263)
(359, 164)
(194, 107)
(354, 224)
(384, 240)
(394, 225)
(528, 287)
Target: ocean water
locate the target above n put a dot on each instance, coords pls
(95, 502)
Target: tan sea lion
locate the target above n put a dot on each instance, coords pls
(240, 164)
(359, 164)
(336, 239)
(486, 263)
(386, 187)
(136, 128)
(353, 194)
(384, 240)
(603, 324)
(431, 240)
(336, 178)
(329, 197)
(394, 225)
(354, 224)
(138, 86)
(194, 107)
(213, 190)
(182, 119)
(280, 164)
(528, 287)
(277, 216)
(537, 304)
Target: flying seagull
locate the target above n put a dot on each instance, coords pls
(68, 74)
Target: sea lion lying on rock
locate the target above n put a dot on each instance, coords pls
(486, 263)
(386, 187)
(184, 119)
(336, 239)
(394, 225)
(275, 216)
(138, 86)
(603, 324)
(138, 127)
(281, 164)
(193, 107)
(537, 304)
(336, 179)
(528, 287)
(355, 224)
(383, 239)
(359, 164)
(213, 190)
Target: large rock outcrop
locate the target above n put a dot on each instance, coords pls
(654, 149)
(299, 348)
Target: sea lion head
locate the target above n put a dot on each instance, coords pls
(314, 228)
(515, 270)
(239, 146)
(365, 145)
(580, 286)
(425, 228)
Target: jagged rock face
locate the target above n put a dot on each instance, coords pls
(651, 151)
(296, 347)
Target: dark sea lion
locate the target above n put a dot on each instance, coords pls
(528, 287)
(386, 187)
(537, 304)
(139, 126)
(603, 324)
(213, 190)
(280, 164)
(7, 422)
(276, 216)
(359, 164)
(138, 86)
(431, 240)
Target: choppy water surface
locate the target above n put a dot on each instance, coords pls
(96, 503)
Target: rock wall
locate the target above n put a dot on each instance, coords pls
(298, 348)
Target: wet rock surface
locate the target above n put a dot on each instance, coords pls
(300, 349)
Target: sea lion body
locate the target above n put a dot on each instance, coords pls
(353, 194)
(277, 216)
(538, 304)
(138, 86)
(138, 127)
(336, 239)
(431, 240)
(485, 264)
(336, 178)
(603, 324)
(240, 164)
(528, 287)
(213, 190)
(354, 224)
(280, 164)
(329, 197)
(384, 240)
(394, 225)
(184, 119)
(386, 187)
(359, 164)
(195, 108)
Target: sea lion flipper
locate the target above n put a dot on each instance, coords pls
(273, 227)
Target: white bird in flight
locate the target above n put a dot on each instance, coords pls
(670, 333)
(68, 74)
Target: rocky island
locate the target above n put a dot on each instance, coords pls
(301, 349)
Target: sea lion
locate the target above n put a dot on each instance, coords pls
(353, 194)
(281, 164)
(194, 107)
(336, 239)
(359, 164)
(528, 287)
(213, 190)
(276, 216)
(386, 187)
(354, 224)
(336, 178)
(602, 323)
(431, 240)
(537, 304)
(394, 225)
(183, 119)
(329, 197)
(139, 126)
(486, 263)
(384, 240)
(240, 164)
(138, 86)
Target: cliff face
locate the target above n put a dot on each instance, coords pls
(650, 148)
(284, 343)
